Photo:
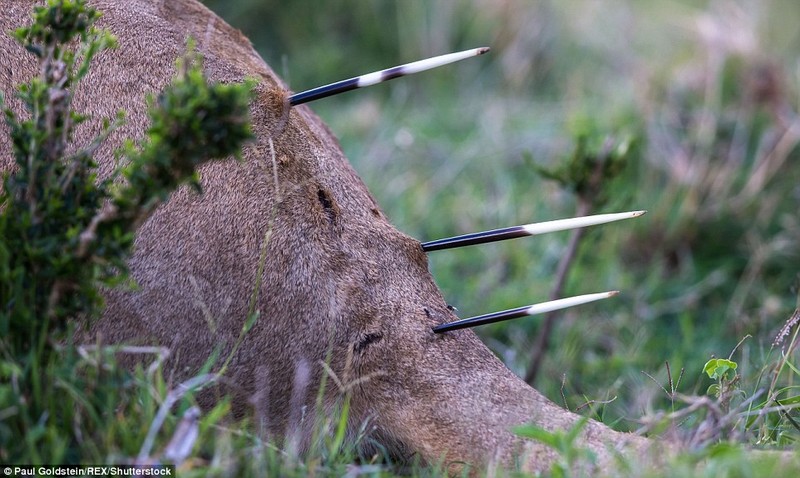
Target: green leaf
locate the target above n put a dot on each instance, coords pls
(251, 321)
(789, 401)
(717, 368)
(539, 434)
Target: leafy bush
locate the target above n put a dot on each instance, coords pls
(64, 234)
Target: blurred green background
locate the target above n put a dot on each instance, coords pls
(707, 92)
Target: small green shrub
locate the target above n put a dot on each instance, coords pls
(64, 234)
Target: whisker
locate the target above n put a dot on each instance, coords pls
(534, 309)
(383, 75)
(526, 230)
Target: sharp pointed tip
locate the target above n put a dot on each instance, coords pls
(578, 222)
(535, 309)
(380, 76)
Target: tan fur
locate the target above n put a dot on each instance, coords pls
(336, 270)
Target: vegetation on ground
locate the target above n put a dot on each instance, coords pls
(65, 234)
(700, 99)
